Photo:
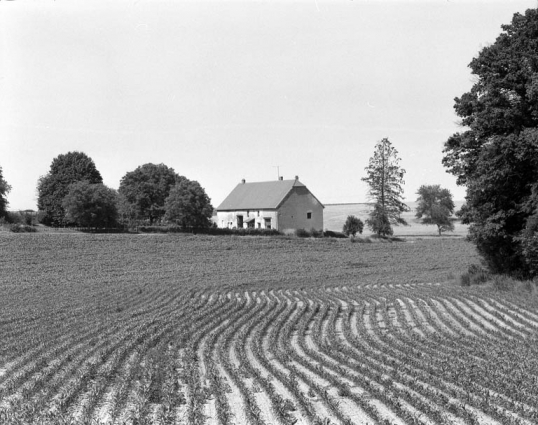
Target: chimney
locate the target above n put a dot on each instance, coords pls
(281, 178)
(243, 181)
(296, 177)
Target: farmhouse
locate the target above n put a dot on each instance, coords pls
(281, 204)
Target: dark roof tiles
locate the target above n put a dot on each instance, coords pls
(259, 195)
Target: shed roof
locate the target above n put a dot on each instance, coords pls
(258, 195)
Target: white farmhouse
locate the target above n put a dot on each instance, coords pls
(280, 204)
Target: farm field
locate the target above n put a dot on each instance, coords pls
(181, 329)
(334, 217)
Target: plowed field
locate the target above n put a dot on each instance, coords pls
(114, 329)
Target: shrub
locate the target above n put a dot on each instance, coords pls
(209, 231)
(475, 275)
(316, 233)
(503, 282)
(302, 233)
(352, 226)
(21, 228)
(361, 240)
(529, 244)
(331, 234)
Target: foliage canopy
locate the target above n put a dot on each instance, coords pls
(144, 191)
(435, 206)
(352, 226)
(385, 179)
(497, 156)
(188, 205)
(4, 190)
(65, 170)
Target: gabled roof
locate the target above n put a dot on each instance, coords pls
(259, 195)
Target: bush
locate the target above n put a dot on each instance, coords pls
(21, 228)
(503, 282)
(209, 231)
(353, 239)
(302, 233)
(475, 275)
(331, 234)
(352, 226)
(316, 233)
(312, 233)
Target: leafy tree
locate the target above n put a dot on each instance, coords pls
(496, 157)
(144, 191)
(4, 190)
(435, 206)
(385, 178)
(189, 206)
(352, 226)
(379, 222)
(65, 170)
(90, 205)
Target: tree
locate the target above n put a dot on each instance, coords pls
(90, 205)
(189, 206)
(65, 169)
(352, 226)
(145, 190)
(4, 190)
(385, 178)
(496, 157)
(435, 206)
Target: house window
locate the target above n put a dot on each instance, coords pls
(248, 213)
(240, 221)
(258, 213)
(267, 223)
(308, 215)
(259, 225)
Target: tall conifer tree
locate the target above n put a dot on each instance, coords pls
(385, 178)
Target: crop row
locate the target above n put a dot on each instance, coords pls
(352, 354)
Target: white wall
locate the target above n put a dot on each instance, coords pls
(228, 219)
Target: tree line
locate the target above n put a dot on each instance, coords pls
(385, 179)
(72, 193)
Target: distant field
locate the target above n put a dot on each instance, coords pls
(334, 217)
(182, 329)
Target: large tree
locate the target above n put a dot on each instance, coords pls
(435, 206)
(144, 190)
(4, 190)
(496, 156)
(189, 206)
(90, 205)
(65, 170)
(385, 179)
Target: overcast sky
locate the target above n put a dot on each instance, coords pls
(225, 90)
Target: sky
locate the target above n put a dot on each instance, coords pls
(228, 90)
